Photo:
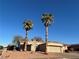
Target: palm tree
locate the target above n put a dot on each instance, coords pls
(27, 25)
(47, 18)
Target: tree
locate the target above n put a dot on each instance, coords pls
(47, 18)
(10, 47)
(1, 47)
(39, 39)
(27, 26)
(17, 39)
(16, 42)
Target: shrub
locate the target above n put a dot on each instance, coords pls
(1, 47)
(10, 47)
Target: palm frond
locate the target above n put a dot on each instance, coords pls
(28, 24)
(47, 18)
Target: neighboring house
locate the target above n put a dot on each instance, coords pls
(74, 47)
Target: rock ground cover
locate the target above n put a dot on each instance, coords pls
(37, 55)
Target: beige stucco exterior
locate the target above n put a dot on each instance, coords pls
(34, 44)
(51, 47)
(55, 47)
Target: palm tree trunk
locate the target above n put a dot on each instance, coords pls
(46, 39)
(26, 41)
(26, 35)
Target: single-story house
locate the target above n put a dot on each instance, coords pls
(74, 47)
(41, 46)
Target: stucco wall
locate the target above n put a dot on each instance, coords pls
(53, 49)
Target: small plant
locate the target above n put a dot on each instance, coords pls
(1, 47)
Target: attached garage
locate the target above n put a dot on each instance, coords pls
(53, 49)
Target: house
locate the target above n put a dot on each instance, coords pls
(41, 46)
(74, 47)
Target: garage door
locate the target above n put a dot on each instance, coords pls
(53, 49)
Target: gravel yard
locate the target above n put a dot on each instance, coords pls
(37, 55)
(0, 53)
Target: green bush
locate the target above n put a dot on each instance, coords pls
(1, 47)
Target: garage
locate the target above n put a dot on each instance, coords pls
(53, 49)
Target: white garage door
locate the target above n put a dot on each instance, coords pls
(53, 49)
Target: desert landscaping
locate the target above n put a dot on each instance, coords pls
(37, 55)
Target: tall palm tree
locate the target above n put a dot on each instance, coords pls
(27, 25)
(47, 18)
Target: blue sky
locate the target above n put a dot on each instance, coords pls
(65, 28)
